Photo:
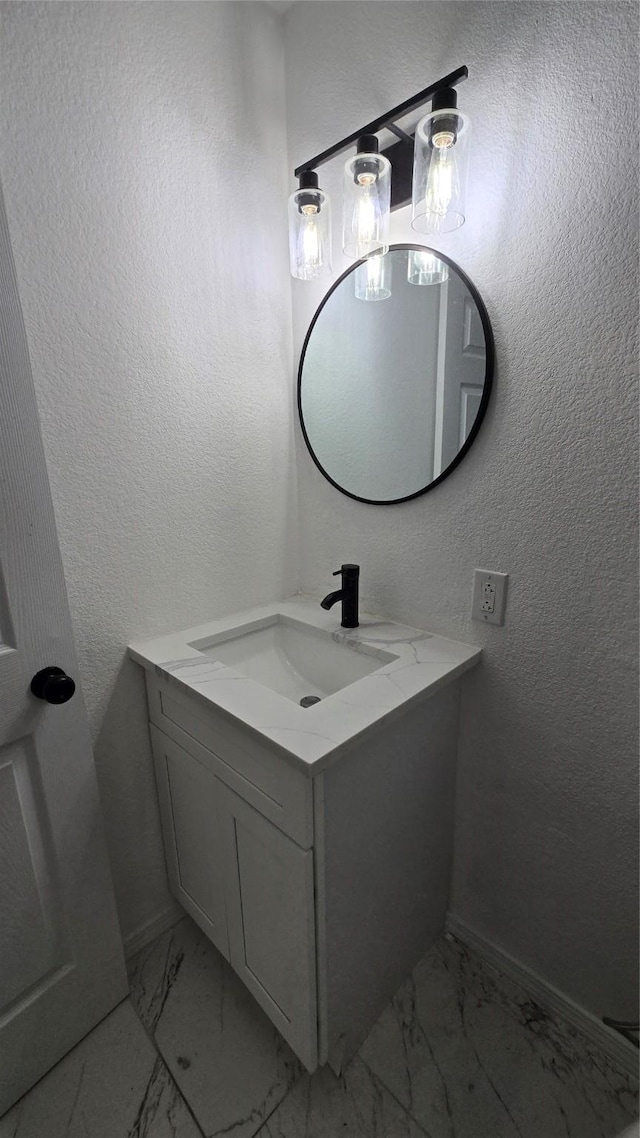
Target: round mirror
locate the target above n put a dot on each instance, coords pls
(395, 375)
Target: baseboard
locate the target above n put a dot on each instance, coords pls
(624, 1054)
(145, 933)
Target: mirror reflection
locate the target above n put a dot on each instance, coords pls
(395, 375)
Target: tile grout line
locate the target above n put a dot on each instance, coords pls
(280, 1103)
(162, 1059)
(151, 1036)
(374, 1078)
(275, 1108)
(378, 1079)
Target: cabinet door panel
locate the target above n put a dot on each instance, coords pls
(270, 908)
(192, 840)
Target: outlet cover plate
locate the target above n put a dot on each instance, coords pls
(489, 596)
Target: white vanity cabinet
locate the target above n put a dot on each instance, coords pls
(311, 843)
(323, 891)
(248, 884)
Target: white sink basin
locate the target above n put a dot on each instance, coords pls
(291, 658)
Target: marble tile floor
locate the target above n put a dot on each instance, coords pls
(113, 1084)
(460, 1052)
(230, 1063)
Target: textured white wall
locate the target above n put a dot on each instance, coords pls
(134, 137)
(144, 163)
(546, 814)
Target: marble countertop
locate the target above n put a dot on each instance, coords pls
(312, 737)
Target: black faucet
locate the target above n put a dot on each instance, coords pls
(348, 594)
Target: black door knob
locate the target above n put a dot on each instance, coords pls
(53, 685)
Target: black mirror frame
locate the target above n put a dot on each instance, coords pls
(486, 390)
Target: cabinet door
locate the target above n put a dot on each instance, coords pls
(270, 911)
(189, 811)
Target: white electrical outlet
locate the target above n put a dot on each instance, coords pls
(489, 596)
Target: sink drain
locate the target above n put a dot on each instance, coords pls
(309, 700)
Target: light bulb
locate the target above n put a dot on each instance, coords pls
(442, 139)
(309, 240)
(442, 181)
(364, 217)
(373, 278)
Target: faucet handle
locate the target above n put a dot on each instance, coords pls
(354, 569)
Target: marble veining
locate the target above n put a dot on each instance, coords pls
(461, 1052)
(469, 1054)
(314, 736)
(228, 1060)
(357, 1105)
(112, 1085)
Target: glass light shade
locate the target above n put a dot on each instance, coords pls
(440, 171)
(309, 234)
(373, 278)
(424, 268)
(366, 204)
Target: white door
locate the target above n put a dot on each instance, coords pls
(61, 961)
(462, 361)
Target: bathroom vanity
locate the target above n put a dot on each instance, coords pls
(312, 844)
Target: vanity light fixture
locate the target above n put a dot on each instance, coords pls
(429, 170)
